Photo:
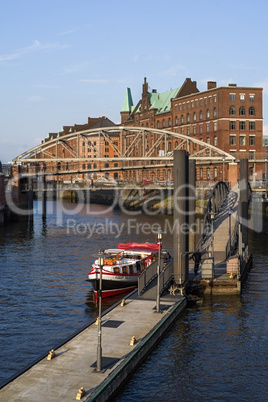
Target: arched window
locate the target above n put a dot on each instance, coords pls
(215, 141)
(176, 144)
(182, 119)
(158, 124)
(215, 112)
(169, 146)
(176, 120)
(232, 111)
(208, 140)
(201, 173)
(194, 116)
(215, 172)
(188, 118)
(242, 111)
(251, 111)
(208, 114)
(200, 115)
(164, 123)
(169, 122)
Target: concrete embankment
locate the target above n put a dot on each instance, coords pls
(74, 363)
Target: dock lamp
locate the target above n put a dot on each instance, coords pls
(159, 241)
(101, 255)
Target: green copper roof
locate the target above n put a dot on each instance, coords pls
(128, 103)
(161, 101)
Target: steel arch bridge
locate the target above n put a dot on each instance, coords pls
(117, 148)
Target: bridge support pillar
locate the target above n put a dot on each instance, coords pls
(243, 200)
(44, 197)
(233, 174)
(181, 218)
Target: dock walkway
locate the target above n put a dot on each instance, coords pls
(73, 365)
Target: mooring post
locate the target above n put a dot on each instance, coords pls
(44, 197)
(181, 218)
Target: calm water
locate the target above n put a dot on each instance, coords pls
(216, 351)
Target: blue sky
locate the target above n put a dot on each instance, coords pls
(63, 61)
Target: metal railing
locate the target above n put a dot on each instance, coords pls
(150, 273)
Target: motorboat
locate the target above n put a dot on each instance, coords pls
(122, 267)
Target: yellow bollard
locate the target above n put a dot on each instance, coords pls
(51, 354)
(123, 303)
(80, 393)
(97, 321)
(231, 275)
(133, 341)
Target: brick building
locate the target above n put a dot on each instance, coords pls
(229, 118)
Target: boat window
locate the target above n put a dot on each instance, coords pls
(124, 269)
(116, 270)
(131, 269)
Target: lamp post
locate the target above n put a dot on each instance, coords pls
(159, 238)
(101, 256)
(159, 241)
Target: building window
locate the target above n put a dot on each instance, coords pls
(182, 119)
(176, 144)
(158, 124)
(215, 112)
(251, 111)
(205, 101)
(194, 129)
(215, 172)
(188, 130)
(196, 103)
(210, 99)
(215, 141)
(242, 125)
(208, 140)
(242, 111)
(201, 101)
(169, 122)
(233, 153)
(201, 128)
(207, 127)
(232, 97)
(251, 98)
(201, 173)
(208, 173)
(208, 114)
(252, 125)
(201, 115)
(215, 126)
(182, 130)
(215, 98)
(232, 140)
(242, 97)
(176, 120)
(242, 140)
(232, 125)
(194, 116)
(251, 155)
(164, 123)
(252, 140)
(232, 111)
(188, 118)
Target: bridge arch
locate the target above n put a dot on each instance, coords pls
(119, 148)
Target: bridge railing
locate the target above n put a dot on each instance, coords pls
(150, 273)
(215, 202)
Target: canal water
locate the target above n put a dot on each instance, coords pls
(215, 351)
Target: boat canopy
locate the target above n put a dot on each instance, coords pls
(148, 247)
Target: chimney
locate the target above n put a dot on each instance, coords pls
(232, 85)
(154, 91)
(212, 84)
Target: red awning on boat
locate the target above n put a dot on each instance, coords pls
(150, 247)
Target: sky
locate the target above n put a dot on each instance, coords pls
(63, 61)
